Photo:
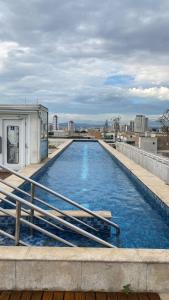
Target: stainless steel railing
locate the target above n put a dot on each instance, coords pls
(19, 219)
(48, 205)
(65, 199)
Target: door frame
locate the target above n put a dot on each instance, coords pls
(22, 149)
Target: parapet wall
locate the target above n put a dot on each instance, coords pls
(83, 269)
(155, 164)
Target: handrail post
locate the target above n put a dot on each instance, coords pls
(32, 195)
(50, 215)
(17, 224)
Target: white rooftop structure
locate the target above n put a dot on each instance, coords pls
(23, 135)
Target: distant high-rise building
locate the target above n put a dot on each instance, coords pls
(71, 126)
(132, 126)
(55, 122)
(140, 124)
(124, 128)
(106, 126)
(116, 124)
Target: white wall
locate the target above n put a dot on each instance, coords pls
(34, 126)
(31, 133)
(148, 144)
(157, 165)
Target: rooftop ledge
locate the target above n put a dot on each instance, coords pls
(83, 269)
(104, 255)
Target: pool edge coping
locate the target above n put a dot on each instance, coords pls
(82, 254)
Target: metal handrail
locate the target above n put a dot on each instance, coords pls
(10, 236)
(49, 205)
(36, 216)
(54, 236)
(56, 218)
(112, 224)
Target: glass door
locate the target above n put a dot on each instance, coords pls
(14, 144)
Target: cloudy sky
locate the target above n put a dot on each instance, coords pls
(86, 59)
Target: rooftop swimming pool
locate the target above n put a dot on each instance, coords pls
(87, 173)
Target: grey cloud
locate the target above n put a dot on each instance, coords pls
(72, 46)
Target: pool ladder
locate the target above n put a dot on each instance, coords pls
(31, 209)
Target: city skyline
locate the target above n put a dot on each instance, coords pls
(82, 119)
(86, 60)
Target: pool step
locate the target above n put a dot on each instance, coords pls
(102, 227)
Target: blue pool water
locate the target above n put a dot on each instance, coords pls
(86, 173)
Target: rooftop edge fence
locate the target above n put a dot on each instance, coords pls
(155, 164)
